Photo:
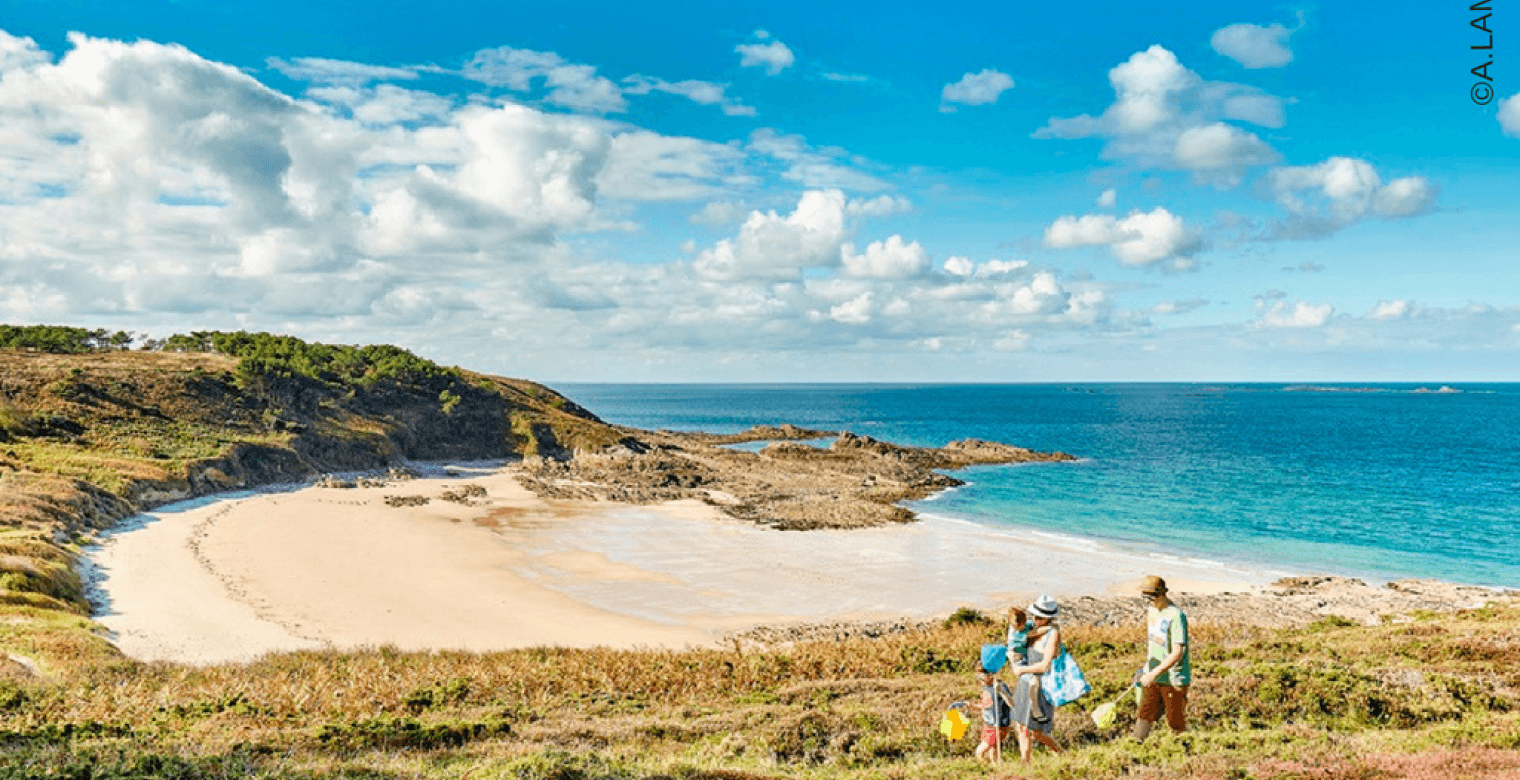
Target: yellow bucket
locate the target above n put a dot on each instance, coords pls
(953, 724)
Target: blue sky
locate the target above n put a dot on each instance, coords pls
(788, 192)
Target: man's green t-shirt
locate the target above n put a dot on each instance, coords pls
(1168, 628)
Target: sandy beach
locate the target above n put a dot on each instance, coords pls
(233, 577)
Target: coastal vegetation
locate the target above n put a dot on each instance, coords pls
(263, 355)
(91, 432)
(1333, 701)
(62, 339)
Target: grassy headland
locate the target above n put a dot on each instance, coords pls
(90, 433)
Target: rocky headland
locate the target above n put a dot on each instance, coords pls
(854, 482)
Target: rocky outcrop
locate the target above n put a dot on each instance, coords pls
(1288, 603)
(783, 432)
(1295, 601)
(855, 482)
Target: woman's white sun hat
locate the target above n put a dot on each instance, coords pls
(1044, 607)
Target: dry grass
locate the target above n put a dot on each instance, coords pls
(859, 708)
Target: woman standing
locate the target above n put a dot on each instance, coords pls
(1034, 715)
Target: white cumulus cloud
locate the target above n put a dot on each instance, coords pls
(1391, 310)
(856, 311)
(384, 104)
(1254, 46)
(774, 56)
(1509, 115)
(20, 53)
(1166, 116)
(1146, 86)
(144, 186)
(997, 267)
(1282, 314)
(643, 165)
(1139, 239)
(1324, 198)
(771, 246)
(975, 89)
(1221, 149)
(890, 259)
(1043, 294)
(960, 266)
(218, 194)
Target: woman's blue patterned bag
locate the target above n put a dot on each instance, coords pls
(1065, 682)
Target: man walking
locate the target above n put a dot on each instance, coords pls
(1164, 683)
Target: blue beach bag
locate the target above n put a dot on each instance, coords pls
(1065, 682)
(994, 657)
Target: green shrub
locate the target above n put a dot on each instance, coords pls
(921, 660)
(966, 616)
(61, 339)
(262, 355)
(12, 696)
(394, 733)
(561, 765)
(1330, 623)
(452, 692)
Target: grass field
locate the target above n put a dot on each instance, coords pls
(1436, 697)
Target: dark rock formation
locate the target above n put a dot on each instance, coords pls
(855, 482)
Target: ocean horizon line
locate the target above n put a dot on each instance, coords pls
(1043, 383)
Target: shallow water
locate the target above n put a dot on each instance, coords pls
(1380, 481)
(709, 572)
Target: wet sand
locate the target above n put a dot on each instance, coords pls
(235, 577)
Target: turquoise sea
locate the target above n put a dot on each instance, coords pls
(1379, 481)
